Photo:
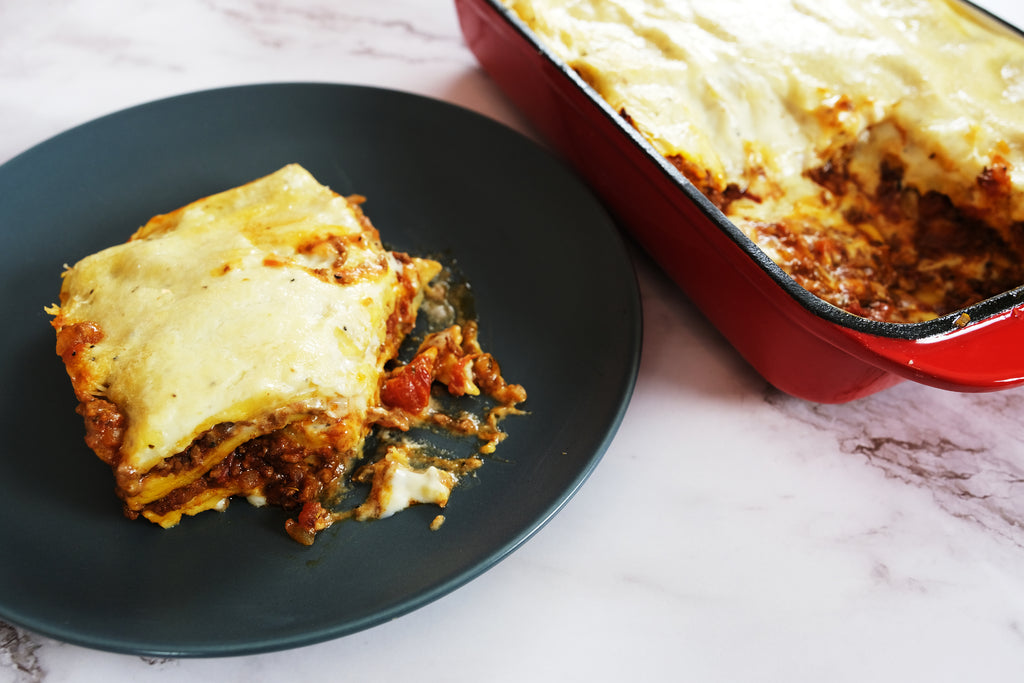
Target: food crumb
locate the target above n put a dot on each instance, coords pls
(436, 523)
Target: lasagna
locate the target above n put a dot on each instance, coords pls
(245, 345)
(874, 150)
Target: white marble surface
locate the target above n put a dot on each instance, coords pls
(731, 533)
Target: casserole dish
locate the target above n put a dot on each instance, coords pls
(798, 342)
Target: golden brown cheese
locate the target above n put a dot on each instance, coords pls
(236, 346)
(875, 150)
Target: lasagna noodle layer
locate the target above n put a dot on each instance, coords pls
(236, 345)
(873, 149)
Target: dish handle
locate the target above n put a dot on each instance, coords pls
(984, 356)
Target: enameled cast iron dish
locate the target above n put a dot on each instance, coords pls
(798, 342)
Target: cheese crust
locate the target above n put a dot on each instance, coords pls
(236, 346)
(874, 150)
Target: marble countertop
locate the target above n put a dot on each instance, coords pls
(731, 533)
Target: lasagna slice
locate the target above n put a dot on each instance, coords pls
(237, 347)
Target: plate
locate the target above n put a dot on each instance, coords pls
(554, 291)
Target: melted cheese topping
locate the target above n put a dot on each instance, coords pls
(750, 100)
(739, 88)
(229, 310)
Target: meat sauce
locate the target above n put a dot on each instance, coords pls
(926, 257)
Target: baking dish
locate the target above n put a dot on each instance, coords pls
(798, 342)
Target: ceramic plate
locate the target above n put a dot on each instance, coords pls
(555, 295)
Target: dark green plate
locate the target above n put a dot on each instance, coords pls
(555, 294)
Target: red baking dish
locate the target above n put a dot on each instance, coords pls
(799, 343)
